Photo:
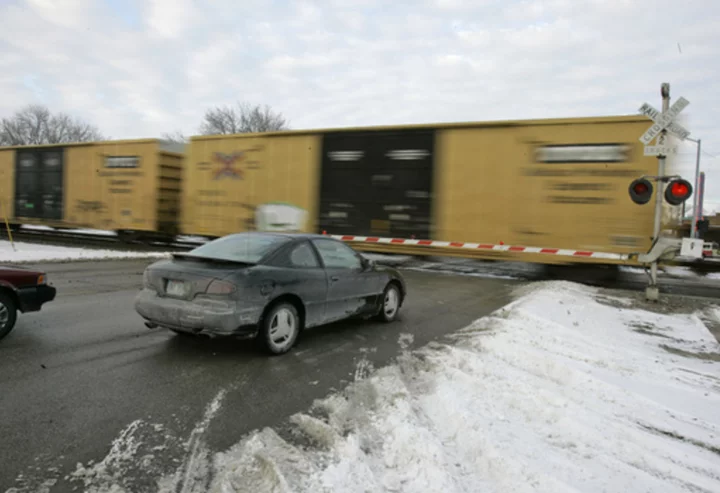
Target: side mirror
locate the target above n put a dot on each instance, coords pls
(367, 263)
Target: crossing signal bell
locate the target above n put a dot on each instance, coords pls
(641, 191)
(678, 191)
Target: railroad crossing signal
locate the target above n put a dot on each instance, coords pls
(641, 191)
(663, 121)
(678, 191)
(661, 149)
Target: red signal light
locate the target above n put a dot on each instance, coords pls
(640, 188)
(678, 191)
(641, 191)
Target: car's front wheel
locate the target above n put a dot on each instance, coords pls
(8, 314)
(280, 328)
(390, 303)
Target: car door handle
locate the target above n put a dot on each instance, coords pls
(334, 278)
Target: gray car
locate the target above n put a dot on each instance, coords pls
(267, 285)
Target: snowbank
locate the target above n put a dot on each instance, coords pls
(33, 252)
(560, 391)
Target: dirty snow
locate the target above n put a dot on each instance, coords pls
(688, 272)
(84, 231)
(555, 392)
(191, 239)
(632, 270)
(139, 456)
(563, 390)
(35, 252)
(386, 259)
(679, 271)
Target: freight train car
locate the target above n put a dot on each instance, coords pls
(556, 184)
(229, 179)
(132, 187)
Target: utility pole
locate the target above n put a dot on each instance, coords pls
(678, 189)
(701, 195)
(696, 199)
(653, 292)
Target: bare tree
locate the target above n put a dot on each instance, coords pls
(35, 125)
(245, 118)
(176, 137)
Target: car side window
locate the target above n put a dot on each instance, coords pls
(303, 256)
(336, 255)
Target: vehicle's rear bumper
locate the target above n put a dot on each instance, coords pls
(32, 298)
(206, 316)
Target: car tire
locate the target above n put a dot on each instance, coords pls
(8, 314)
(390, 303)
(280, 328)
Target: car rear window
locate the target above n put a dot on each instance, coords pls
(241, 247)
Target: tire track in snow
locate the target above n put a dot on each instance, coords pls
(195, 471)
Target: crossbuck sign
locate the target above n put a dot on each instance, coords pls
(663, 121)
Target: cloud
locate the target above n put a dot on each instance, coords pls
(169, 18)
(138, 69)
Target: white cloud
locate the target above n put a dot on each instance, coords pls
(75, 14)
(362, 62)
(170, 18)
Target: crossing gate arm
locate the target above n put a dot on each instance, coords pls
(479, 247)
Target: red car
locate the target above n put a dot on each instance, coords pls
(21, 290)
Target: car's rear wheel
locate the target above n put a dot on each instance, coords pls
(390, 305)
(8, 314)
(280, 328)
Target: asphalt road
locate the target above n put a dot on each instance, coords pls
(84, 382)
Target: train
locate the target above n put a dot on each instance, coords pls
(522, 187)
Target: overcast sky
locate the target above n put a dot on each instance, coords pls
(139, 68)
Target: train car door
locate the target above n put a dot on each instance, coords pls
(39, 183)
(377, 183)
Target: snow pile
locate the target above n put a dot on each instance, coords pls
(560, 391)
(33, 252)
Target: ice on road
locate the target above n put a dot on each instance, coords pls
(562, 391)
(34, 252)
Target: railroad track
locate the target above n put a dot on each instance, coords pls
(85, 240)
(89, 240)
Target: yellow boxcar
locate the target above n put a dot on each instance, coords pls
(556, 183)
(125, 186)
(559, 184)
(229, 178)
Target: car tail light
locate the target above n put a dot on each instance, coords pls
(220, 287)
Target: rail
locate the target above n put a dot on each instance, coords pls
(398, 246)
(89, 240)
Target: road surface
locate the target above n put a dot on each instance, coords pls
(83, 379)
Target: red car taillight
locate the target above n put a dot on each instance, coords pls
(220, 287)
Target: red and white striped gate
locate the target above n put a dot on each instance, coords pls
(481, 246)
